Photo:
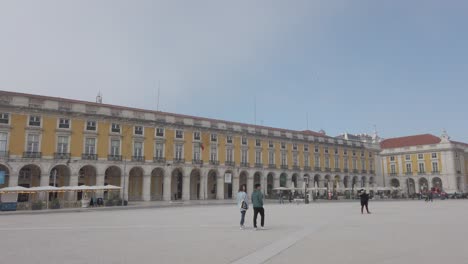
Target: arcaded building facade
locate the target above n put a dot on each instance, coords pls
(154, 155)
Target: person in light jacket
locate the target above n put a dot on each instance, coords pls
(242, 199)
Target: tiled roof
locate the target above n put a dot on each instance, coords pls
(42, 97)
(409, 141)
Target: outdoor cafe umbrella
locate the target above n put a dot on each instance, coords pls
(14, 189)
(46, 189)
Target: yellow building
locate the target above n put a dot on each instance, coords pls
(422, 162)
(162, 156)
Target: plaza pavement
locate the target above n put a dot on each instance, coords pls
(396, 232)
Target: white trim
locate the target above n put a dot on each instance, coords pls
(199, 134)
(109, 151)
(26, 140)
(86, 126)
(57, 135)
(69, 123)
(7, 132)
(142, 146)
(115, 133)
(142, 130)
(156, 132)
(175, 134)
(29, 117)
(9, 118)
(95, 144)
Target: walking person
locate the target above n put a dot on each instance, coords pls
(364, 201)
(243, 203)
(257, 203)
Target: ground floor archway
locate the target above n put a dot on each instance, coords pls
(59, 176)
(29, 176)
(177, 178)
(395, 183)
(135, 184)
(157, 184)
(112, 176)
(270, 184)
(212, 184)
(423, 184)
(283, 180)
(228, 178)
(437, 183)
(195, 184)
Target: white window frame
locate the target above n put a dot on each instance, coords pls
(306, 147)
(337, 162)
(393, 168)
(182, 152)
(39, 143)
(258, 142)
(115, 126)
(327, 162)
(284, 158)
(229, 138)
(408, 157)
(317, 161)
(258, 158)
(213, 137)
(142, 131)
(271, 158)
(95, 125)
(244, 141)
(7, 139)
(181, 131)
(306, 159)
(162, 151)
(110, 146)
(142, 148)
(423, 166)
(409, 167)
(244, 158)
(434, 155)
(230, 154)
(214, 152)
(271, 144)
(2, 117)
(420, 156)
(68, 143)
(283, 145)
(437, 165)
(59, 122)
(29, 119)
(295, 146)
(195, 133)
(163, 132)
(95, 145)
(295, 159)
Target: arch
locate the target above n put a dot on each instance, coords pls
(395, 183)
(411, 187)
(6, 171)
(243, 178)
(317, 179)
(228, 185)
(29, 176)
(195, 184)
(437, 183)
(354, 182)
(135, 184)
(212, 184)
(177, 178)
(423, 184)
(372, 181)
(346, 181)
(336, 182)
(87, 175)
(157, 184)
(257, 179)
(59, 176)
(294, 180)
(112, 176)
(270, 184)
(283, 179)
(363, 181)
(326, 182)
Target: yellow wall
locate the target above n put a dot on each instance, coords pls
(77, 137)
(103, 139)
(18, 134)
(221, 148)
(48, 136)
(149, 143)
(169, 147)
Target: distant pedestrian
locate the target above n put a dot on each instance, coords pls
(431, 196)
(243, 203)
(257, 203)
(364, 201)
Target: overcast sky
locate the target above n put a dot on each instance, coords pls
(348, 65)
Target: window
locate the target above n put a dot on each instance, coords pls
(371, 165)
(214, 137)
(345, 152)
(4, 118)
(294, 146)
(229, 139)
(33, 143)
(306, 160)
(421, 168)
(229, 155)
(258, 157)
(354, 164)
(115, 147)
(35, 121)
(370, 154)
(138, 149)
(316, 149)
(295, 159)
(393, 169)
(139, 130)
(159, 132)
(270, 144)
(345, 165)
(244, 155)
(354, 153)
(244, 141)
(64, 123)
(362, 154)
(271, 157)
(179, 151)
(317, 161)
(258, 143)
(409, 168)
(179, 134)
(283, 145)
(91, 125)
(196, 151)
(283, 158)
(159, 153)
(337, 162)
(392, 158)
(363, 164)
(306, 148)
(435, 167)
(213, 152)
(327, 162)
(434, 155)
(196, 136)
(115, 128)
(62, 144)
(90, 146)
(420, 156)
(336, 151)
(408, 157)
(326, 150)
(3, 143)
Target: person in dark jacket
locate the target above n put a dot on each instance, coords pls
(364, 201)
(257, 203)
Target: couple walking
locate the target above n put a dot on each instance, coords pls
(257, 203)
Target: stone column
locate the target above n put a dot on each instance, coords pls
(250, 183)
(203, 185)
(167, 186)
(186, 187)
(220, 187)
(289, 181)
(13, 178)
(276, 181)
(235, 185)
(146, 187)
(124, 179)
(44, 181)
(71, 196)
